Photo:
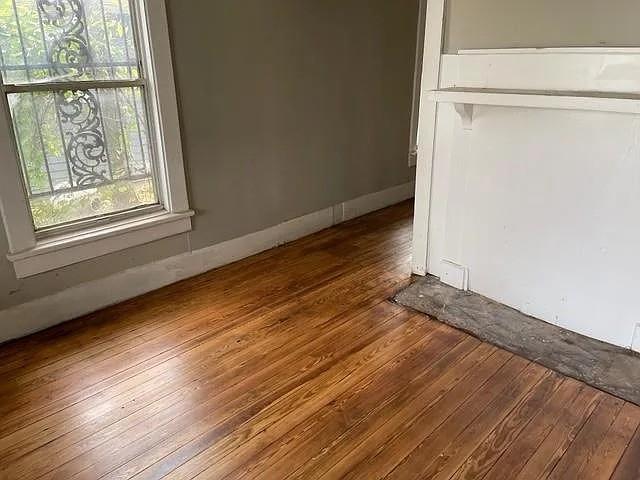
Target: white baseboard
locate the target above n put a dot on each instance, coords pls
(375, 201)
(88, 297)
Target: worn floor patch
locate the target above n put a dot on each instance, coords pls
(609, 368)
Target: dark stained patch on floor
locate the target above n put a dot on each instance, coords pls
(613, 369)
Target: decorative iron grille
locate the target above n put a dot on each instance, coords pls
(72, 75)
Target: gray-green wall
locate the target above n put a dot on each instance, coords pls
(541, 23)
(286, 106)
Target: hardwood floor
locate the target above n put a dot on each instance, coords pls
(292, 364)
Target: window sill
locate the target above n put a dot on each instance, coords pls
(60, 251)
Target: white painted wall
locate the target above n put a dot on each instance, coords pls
(542, 205)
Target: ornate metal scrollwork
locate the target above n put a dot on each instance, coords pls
(78, 110)
(85, 148)
(69, 52)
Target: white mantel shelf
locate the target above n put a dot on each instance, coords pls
(465, 98)
(546, 120)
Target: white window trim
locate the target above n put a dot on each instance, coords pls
(31, 255)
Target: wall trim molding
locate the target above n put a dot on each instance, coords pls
(77, 246)
(45, 312)
(573, 70)
(547, 50)
(430, 80)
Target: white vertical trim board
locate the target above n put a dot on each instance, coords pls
(158, 65)
(434, 27)
(417, 77)
(14, 209)
(88, 297)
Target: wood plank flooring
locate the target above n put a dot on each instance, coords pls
(293, 365)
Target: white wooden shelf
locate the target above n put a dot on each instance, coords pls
(465, 98)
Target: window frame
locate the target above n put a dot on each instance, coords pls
(33, 253)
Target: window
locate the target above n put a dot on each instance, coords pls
(96, 148)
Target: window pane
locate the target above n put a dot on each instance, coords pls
(83, 153)
(63, 40)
